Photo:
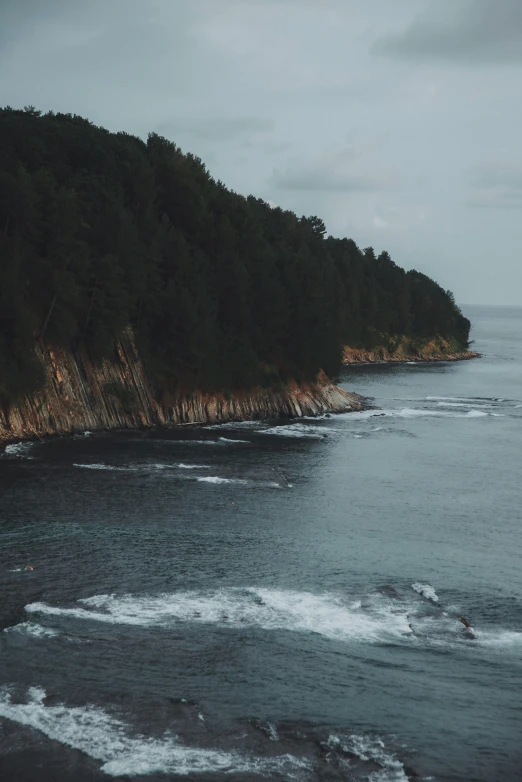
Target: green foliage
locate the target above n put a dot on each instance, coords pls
(100, 230)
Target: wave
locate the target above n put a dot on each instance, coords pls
(216, 479)
(221, 441)
(33, 629)
(370, 749)
(230, 440)
(328, 615)
(300, 430)
(384, 616)
(182, 466)
(20, 450)
(109, 740)
(104, 467)
(425, 590)
(237, 424)
(411, 412)
(461, 404)
(472, 399)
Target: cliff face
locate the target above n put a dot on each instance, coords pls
(403, 349)
(117, 394)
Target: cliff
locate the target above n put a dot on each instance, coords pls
(80, 395)
(403, 349)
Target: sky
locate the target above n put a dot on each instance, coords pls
(399, 122)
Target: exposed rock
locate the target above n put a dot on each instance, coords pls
(80, 395)
(405, 350)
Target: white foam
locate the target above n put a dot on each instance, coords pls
(460, 404)
(237, 425)
(103, 467)
(109, 740)
(410, 412)
(19, 450)
(300, 430)
(230, 440)
(372, 749)
(216, 479)
(498, 638)
(33, 629)
(426, 590)
(271, 609)
(182, 466)
(471, 399)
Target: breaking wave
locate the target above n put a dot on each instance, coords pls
(370, 749)
(300, 430)
(385, 616)
(109, 740)
(20, 450)
(425, 590)
(216, 479)
(327, 615)
(33, 629)
(231, 440)
(411, 412)
(104, 467)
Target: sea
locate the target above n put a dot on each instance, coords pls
(331, 598)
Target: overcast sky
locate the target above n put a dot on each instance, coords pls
(399, 122)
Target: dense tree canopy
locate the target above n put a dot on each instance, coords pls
(102, 230)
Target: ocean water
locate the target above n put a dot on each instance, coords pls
(275, 600)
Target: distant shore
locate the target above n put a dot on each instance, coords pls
(354, 356)
(416, 359)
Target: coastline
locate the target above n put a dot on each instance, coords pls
(116, 394)
(427, 354)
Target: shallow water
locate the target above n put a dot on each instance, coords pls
(275, 600)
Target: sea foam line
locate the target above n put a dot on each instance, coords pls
(271, 609)
(109, 740)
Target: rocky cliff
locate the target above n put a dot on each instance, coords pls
(80, 395)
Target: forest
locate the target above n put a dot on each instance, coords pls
(100, 231)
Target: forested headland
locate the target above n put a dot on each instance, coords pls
(100, 231)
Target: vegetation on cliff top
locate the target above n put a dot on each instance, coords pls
(102, 230)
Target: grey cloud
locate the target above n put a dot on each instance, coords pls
(343, 171)
(478, 32)
(496, 185)
(216, 129)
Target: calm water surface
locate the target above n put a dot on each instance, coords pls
(275, 601)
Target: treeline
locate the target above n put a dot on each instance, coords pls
(102, 230)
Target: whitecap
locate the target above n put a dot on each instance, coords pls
(300, 430)
(461, 404)
(20, 450)
(122, 752)
(216, 479)
(237, 424)
(371, 749)
(33, 629)
(109, 467)
(498, 638)
(182, 466)
(426, 590)
(230, 440)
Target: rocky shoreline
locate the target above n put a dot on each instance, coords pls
(116, 394)
(353, 356)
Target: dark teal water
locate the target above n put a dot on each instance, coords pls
(275, 601)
